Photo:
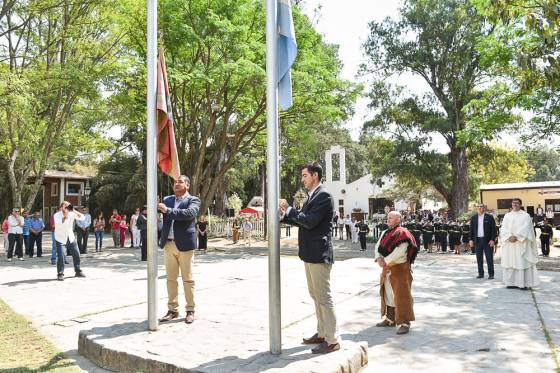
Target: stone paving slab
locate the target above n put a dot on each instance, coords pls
(463, 324)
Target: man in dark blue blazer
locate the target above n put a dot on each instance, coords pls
(315, 249)
(178, 239)
(483, 238)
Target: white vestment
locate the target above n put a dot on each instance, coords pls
(519, 259)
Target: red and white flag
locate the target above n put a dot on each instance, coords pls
(168, 160)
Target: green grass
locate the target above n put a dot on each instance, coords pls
(551, 345)
(24, 350)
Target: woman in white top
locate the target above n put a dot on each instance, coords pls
(355, 230)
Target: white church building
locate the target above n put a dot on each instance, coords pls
(361, 198)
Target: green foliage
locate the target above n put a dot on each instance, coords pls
(437, 41)
(119, 184)
(499, 165)
(525, 50)
(55, 55)
(235, 203)
(545, 162)
(215, 53)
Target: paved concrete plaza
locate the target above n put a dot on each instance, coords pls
(463, 324)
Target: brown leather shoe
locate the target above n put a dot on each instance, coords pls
(170, 315)
(403, 329)
(315, 339)
(385, 323)
(325, 348)
(189, 319)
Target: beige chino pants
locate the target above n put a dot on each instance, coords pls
(176, 261)
(319, 285)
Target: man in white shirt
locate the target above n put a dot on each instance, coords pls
(15, 234)
(82, 230)
(64, 238)
(550, 215)
(348, 224)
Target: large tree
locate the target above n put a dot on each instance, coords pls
(435, 40)
(54, 54)
(215, 54)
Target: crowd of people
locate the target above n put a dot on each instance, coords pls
(435, 232)
(70, 228)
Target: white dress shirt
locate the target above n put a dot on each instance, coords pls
(480, 232)
(13, 224)
(64, 231)
(178, 201)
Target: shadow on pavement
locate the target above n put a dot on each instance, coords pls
(29, 282)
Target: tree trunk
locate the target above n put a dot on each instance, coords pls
(460, 186)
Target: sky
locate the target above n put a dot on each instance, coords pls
(345, 23)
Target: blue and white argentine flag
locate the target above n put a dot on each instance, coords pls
(287, 51)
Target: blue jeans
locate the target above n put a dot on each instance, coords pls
(53, 252)
(73, 248)
(99, 240)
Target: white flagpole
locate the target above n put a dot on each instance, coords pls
(273, 190)
(151, 166)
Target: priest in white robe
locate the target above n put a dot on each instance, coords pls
(519, 249)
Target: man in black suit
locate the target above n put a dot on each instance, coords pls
(483, 238)
(315, 249)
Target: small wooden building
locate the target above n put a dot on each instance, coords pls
(59, 186)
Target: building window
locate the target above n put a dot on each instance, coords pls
(341, 202)
(504, 203)
(335, 167)
(73, 189)
(54, 189)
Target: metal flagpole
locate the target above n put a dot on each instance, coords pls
(151, 166)
(273, 193)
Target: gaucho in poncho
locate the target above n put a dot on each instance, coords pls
(395, 252)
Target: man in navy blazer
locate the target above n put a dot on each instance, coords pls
(178, 239)
(483, 238)
(315, 249)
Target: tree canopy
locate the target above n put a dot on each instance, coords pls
(437, 41)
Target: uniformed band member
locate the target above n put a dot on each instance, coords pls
(547, 231)
(437, 235)
(465, 232)
(416, 230)
(428, 235)
(443, 231)
(455, 237)
(363, 231)
(381, 226)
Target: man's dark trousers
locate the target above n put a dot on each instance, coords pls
(17, 241)
(545, 246)
(82, 238)
(483, 249)
(348, 232)
(26, 243)
(363, 241)
(144, 245)
(35, 239)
